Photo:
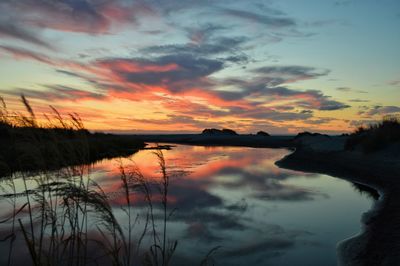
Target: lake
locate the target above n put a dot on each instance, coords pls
(236, 202)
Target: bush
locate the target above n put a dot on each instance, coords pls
(375, 137)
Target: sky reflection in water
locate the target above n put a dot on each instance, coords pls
(238, 199)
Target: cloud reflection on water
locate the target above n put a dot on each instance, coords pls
(236, 198)
(214, 198)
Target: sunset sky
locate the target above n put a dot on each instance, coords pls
(151, 66)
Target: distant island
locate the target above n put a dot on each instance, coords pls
(228, 132)
(214, 131)
(263, 133)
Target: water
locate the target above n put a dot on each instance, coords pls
(236, 199)
(258, 214)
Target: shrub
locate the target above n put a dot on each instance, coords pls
(376, 136)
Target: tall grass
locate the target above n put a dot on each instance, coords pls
(62, 215)
(55, 142)
(376, 136)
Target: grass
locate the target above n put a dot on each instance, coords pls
(375, 137)
(56, 143)
(61, 214)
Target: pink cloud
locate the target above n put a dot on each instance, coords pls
(92, 17)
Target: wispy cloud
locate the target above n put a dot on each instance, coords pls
(13, 31)
(394, 82)
(20, 53)
(348, 89)
(266, 19)
(94, 17)
(380, 110)
(55, 92)
(359, 100)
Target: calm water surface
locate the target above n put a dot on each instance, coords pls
(258, 214)
(236, 199)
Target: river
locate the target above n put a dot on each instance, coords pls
(239, 202)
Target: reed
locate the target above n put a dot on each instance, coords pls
(63, 216)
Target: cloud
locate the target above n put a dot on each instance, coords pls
(185, 83)
(285, 192)
(394, 82)
(345, 89)
(348, 89)
(319, 121)
(68, 73)
(20, 53)
(202, 34)
(310, 99)
(363, 122)
(200, 231)
(276, 242)
(260, 247)
(220, 45)
(9, 30)
(265, 19)
(272, 76)
(93, 17)
(380, 110)
(268, 187)
(221, 221)
(177, 72)
(269, 114)
(266, 82)
(178, 120)
(56, 92)
(295, 71)
(359, 100)
(192, 198)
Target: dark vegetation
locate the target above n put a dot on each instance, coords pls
(28, 145)
(363, 189)
(263, 133)
(61, 215)
(375, 137)
(306, 133)
(214, 131)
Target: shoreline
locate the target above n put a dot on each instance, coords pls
(378, 242)
(252, 141)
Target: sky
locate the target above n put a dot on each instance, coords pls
(169, 66)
